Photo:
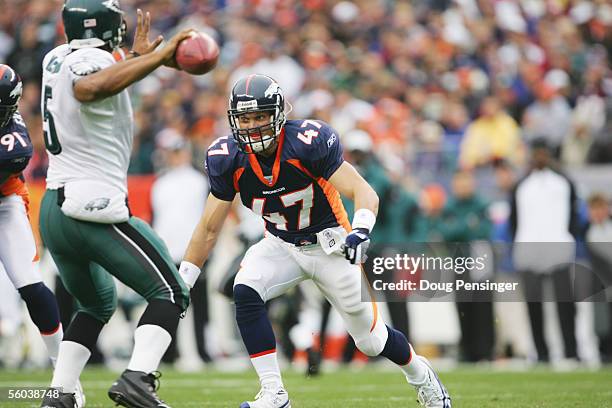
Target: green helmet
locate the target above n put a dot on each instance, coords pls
(93, 23)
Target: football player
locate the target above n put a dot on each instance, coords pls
(18, 252)
(85, 220)
(291, 172)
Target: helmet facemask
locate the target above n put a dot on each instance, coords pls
(6, 113)
(259, 138)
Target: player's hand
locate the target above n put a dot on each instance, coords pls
(142, 45)
(356, 245)
(170, 48)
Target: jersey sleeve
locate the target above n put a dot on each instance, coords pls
(219, 168)
(326, 154)
(15, 147)
(87, 61)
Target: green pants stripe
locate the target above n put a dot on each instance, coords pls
(88, 254)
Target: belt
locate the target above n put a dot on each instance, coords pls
(61, 197)
(301, 241)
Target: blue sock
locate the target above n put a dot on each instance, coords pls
(42, 307)
(253, 322)
(397, 348)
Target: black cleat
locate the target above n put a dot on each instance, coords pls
(314, 362)
(56, 399)
(136, 389)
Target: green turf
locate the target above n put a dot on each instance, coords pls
(469, 387)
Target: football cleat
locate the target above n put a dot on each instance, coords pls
(56, 399)
(79, 395)
(314, 362)
(431, 393)
(269, 397)
(137, 389)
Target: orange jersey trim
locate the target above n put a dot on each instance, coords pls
(332, 195)
(14, 185)
(236, 178)
(275, 168)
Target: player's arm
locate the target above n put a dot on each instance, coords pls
(115, 78)
(349, 183)
(204, 238)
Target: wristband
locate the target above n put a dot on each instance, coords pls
(364, 218)
(134, 53)
(189, 273)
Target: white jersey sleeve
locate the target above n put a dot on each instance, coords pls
(85, 141)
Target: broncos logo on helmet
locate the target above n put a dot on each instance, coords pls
(256, 93)
(10, 93)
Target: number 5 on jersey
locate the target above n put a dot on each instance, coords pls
(50, 135)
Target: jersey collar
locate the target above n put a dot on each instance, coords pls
(275, 168)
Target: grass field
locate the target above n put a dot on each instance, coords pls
(469, 387)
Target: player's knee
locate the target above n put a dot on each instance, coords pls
(176, 293)
(371, 345)
(102, 311)
(42, 306)
(31, 293)
(374, 342)
(249, 305)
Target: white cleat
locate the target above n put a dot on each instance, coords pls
(79, 395)
(431, 393)
(269, 397)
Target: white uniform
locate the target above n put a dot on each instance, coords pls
(95, 138)
(17, 247)
(272, 266)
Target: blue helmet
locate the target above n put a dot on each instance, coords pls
(256, 93)
(10, 93)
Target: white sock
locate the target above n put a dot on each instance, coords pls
(267, 369)
(415, 370)
(150, 344)
(71, 360)
(52, 343)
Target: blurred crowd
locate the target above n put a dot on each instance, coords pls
(435, 100)
(437, 84)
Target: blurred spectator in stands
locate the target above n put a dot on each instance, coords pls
(432, 202)
(455, 120)
(468, 230)
(587, 120)
(599, 244)
(543, 222)
(177, 199)
(601, 149)
(493, 135)
(549, 117)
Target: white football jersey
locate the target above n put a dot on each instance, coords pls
(84, 140)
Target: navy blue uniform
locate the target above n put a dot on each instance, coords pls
(15, 153)
(289, 189)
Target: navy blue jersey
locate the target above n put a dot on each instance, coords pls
(15, 153)
(290, 189)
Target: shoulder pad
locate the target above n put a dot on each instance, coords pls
(221, 156)
(311, 137)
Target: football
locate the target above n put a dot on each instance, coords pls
(197, 54)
